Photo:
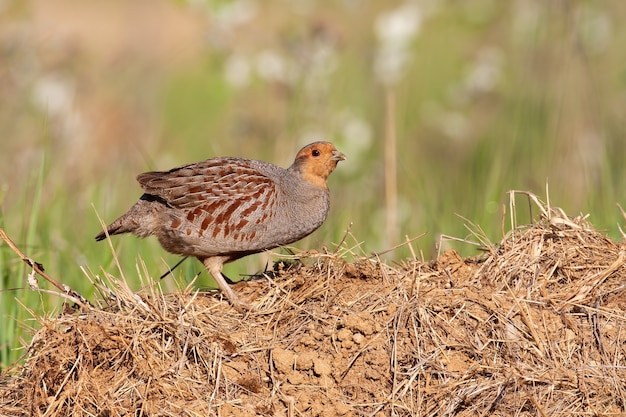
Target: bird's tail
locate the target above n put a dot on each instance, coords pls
(115, 228)
(139, 220)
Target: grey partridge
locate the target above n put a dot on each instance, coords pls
(222, 209)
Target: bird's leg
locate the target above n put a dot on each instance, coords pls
(214, 266)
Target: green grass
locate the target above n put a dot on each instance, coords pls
(12, 293)
(459, 150)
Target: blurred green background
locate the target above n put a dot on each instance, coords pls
(441, 106)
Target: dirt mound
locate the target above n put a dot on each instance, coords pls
(533, 327)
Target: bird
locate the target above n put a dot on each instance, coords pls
(224, 208)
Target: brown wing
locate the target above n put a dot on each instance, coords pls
(208, 182)
(222, 196)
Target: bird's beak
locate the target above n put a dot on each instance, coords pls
(338, 156)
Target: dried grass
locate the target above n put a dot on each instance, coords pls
(534, 327)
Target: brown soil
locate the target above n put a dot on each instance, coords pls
(535, 327)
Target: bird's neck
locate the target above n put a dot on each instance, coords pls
(312, 176)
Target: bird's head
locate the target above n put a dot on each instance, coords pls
(316, 161)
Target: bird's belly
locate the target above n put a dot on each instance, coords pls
(237, 235)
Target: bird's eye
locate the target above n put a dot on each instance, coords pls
(316, 153)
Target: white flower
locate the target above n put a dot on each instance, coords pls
(395, 30)
(237, 71)
(272, 66)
